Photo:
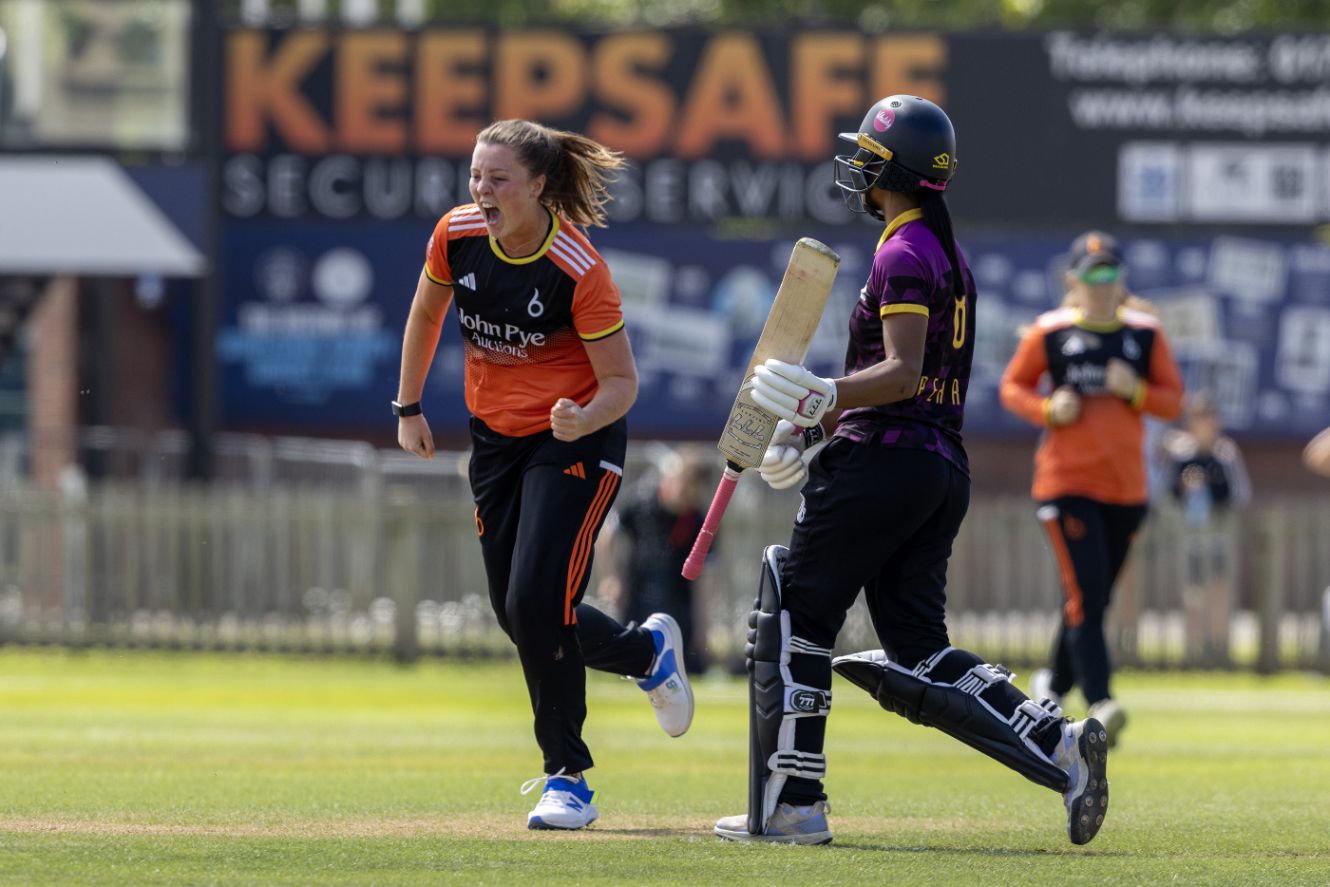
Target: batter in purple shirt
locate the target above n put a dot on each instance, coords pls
(912, 275)
(883, 500)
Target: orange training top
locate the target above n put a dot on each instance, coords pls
(523, 319)
(1101, 454)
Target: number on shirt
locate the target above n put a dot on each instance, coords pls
(958, 322)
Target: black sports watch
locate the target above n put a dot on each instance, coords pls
(406, 409)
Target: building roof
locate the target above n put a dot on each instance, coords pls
(62, 214)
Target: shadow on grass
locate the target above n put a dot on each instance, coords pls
(972, 851)
(646, 832)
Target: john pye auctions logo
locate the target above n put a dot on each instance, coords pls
(503, 338)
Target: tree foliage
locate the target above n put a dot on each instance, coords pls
(1198, 16)
(1221, 16)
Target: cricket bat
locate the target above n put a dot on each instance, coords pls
(789, 328)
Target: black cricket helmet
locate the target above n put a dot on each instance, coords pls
(904, 144)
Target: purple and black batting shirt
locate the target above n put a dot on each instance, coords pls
(911, 273)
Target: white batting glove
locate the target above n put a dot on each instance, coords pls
(785, 463)
(792, 393)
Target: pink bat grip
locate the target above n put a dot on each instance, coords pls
(692, 568)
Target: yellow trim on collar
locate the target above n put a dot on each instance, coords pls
(544, 247)
(1097, 326)
(903, 308)
(910, 215)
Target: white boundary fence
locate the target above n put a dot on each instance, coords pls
(311, 545)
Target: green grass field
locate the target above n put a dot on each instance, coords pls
(201, 769)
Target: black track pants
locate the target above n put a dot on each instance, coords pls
(540, 504)
(1090, 541)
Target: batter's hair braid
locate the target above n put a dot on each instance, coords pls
(938, 219)
(577, 169)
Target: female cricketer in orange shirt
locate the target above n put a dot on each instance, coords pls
(549, 377)
(1107, 364)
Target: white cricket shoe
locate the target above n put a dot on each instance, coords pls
(565, 803)
(666, 684)
(1041, 686)
(788, 825)
(1083, 753)
(1112, 715)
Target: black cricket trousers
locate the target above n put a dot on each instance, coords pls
(1090, 540)
(881, 519)
(877, 518)
(540, 504)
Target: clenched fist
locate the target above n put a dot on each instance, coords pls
(568, 420)
(414, 436)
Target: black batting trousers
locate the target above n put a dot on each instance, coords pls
(883, 520)
(540, 504)
(880, 519)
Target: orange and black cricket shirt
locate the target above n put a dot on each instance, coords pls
(524, 319)
(1100, 455)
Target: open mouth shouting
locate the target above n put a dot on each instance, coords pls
(493, 218)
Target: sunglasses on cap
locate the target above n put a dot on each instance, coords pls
(1102, 274)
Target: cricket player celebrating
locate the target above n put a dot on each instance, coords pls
(549, 377)
(882, 502)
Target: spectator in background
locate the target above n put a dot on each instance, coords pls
(1208, 480)
(1107, 365)
(653, 534)
(1205, 466)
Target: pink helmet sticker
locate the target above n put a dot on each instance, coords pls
(883, 119)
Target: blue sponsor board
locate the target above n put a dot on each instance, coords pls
(312, 319)
(313, 315)
(1248, 319)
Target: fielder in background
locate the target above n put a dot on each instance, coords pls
(549, 377)
(1106, 365)
(883, 501)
